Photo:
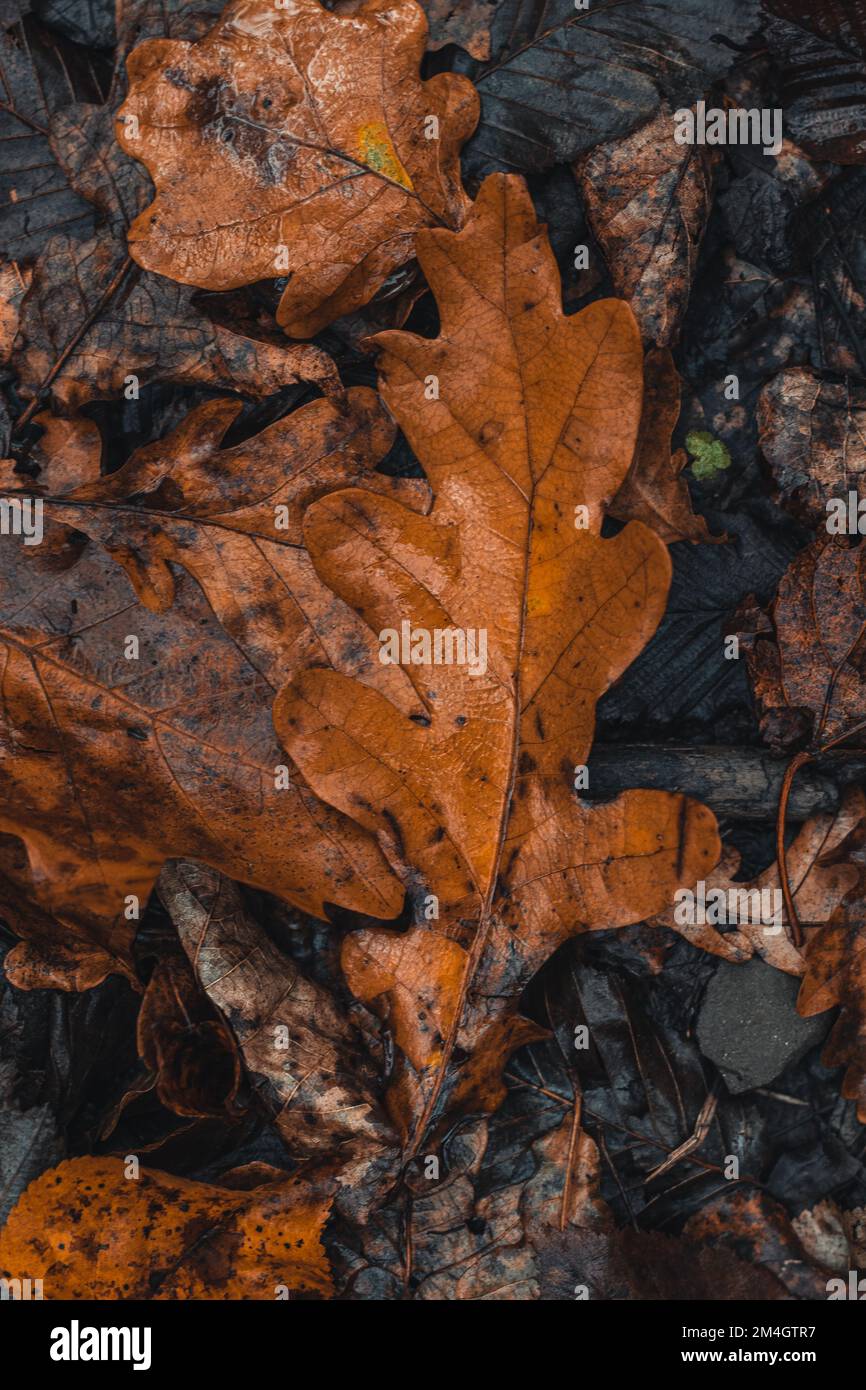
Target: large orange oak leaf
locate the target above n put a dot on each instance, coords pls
(91, 1229)
(525, 422)
(142, 644)
(295, 141)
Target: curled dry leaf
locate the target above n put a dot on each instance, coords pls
(806, 657)
(116, 762)
(89, 1232)
(185, 1044)
(470, 796)
(648, 200)
(813, 435)
(292, 141)
(654, 490)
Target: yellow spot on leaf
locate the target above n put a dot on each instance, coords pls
(378, 153)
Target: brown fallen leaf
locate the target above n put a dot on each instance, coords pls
(809, 681)
(116, 762)
(471, 800)
(835, 977)
(813, 435)
(84, 145)
(303, 1052)
(464, 22)
(654, 490)
(89, 1231)
(805, 658)
(758, 1230)
(648, 200)
(821, 1231)
(820, 873)
(92, 320)
(580, 1252)
(297, 142)
(13, 287)
(232, 518)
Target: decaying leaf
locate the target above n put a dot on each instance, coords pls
(470, 796)
(582, 1254)
(445, 1241)
(142, 667)
(89, 1230)
(92, 319)
(561, 80)
(138, 20)
(300, 754)
(813, 435)
(84, 145)
(835, 977)
(820, 47)
(758, 1230)
(292, 141)
(303, 1052)
(13, 287)
(464, 22)
(821, 1230)
(805, 658)
(648, 200)
(654, 490)
(36, 80)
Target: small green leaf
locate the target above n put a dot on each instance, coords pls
(709, 456)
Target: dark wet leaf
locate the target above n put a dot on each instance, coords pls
(562, 80)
